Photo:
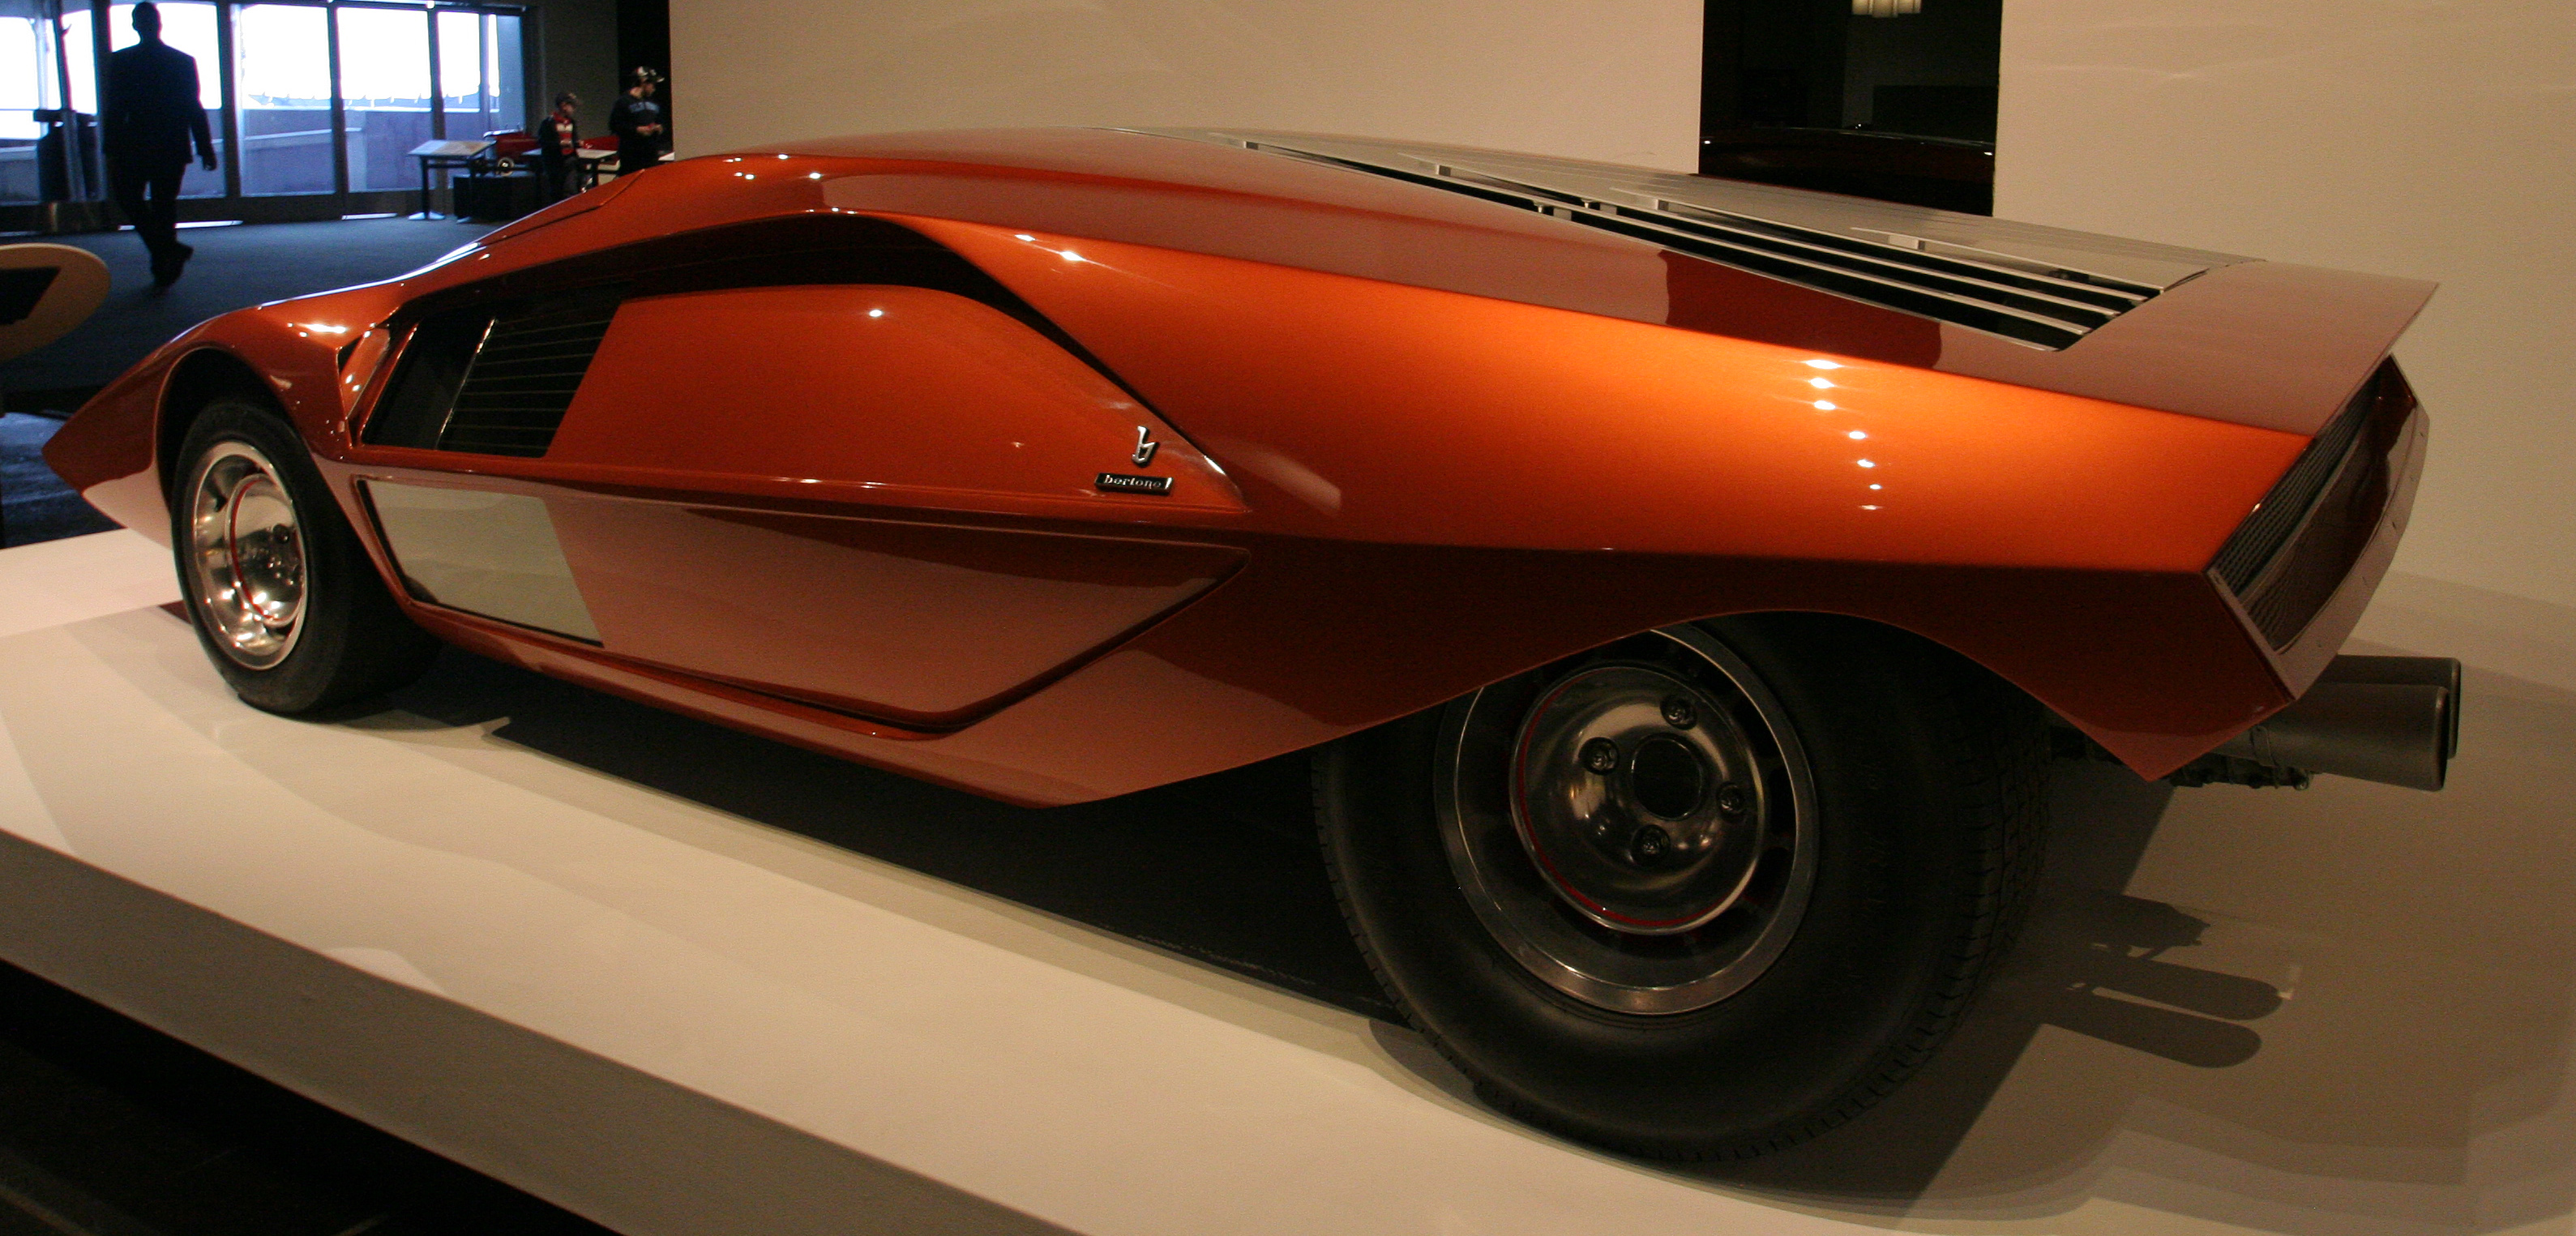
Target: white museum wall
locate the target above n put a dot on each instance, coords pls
(1606, 79)
(2434, 139)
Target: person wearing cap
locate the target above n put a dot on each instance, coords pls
(148, 115)
(637, 122)
(559, 149)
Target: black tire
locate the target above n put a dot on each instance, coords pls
(346, 639)
(1927, 824)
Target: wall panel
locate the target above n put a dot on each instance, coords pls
(1606, 79)
(2429, 138)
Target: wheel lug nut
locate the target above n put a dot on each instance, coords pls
(1649, 845)
(1600, 755)
(1732, 800)
(1678, 713)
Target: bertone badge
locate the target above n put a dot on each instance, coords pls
(1145, 447)
(1128, 483)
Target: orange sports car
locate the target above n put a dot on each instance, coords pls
(1682, 585)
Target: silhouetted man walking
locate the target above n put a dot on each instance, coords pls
(147, 117)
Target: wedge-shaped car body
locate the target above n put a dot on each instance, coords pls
(1683, 582)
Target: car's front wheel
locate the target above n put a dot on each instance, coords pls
(1705, 892)
(283, 596)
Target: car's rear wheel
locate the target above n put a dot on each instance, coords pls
(283, 596)
(1705, 892)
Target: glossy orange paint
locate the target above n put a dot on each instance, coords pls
(1366, 410)
(923, 397)
(926, 625)
(867, 397)
(2270, 344)
(1419, 442)
(107, 454)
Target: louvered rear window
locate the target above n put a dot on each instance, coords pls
(2048, 308)
(2045, 287)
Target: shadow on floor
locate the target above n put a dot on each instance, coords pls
(2340, 1011)
(2343, 1012)
(1226, 870)
(1223, 869)
(2090, 959)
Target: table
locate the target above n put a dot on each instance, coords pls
(590, 163)
(451, 155)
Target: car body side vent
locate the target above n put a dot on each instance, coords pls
(525, 373)
(2032, 302)
(493, 379)
(2285, 561)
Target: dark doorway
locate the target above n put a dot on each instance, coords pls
(1888, 99)
(644, 42)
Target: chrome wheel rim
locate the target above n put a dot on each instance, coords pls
(246, 563)
(1635, 826)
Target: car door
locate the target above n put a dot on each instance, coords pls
(901, 501)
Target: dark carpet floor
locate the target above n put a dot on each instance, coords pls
(235, 267)
(35, 505)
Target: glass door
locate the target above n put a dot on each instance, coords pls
(69, 156)
(304, 98)
(189, 26)
(282, 73)
(31, 96)
(481, 87)
(385, 94)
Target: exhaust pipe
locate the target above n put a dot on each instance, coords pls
(2394, 720)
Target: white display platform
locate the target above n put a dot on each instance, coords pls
(2345, 1010)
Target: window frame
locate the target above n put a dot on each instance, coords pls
(86, 201)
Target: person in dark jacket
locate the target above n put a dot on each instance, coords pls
(147, 116)
(637, 122)
(559, 149)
